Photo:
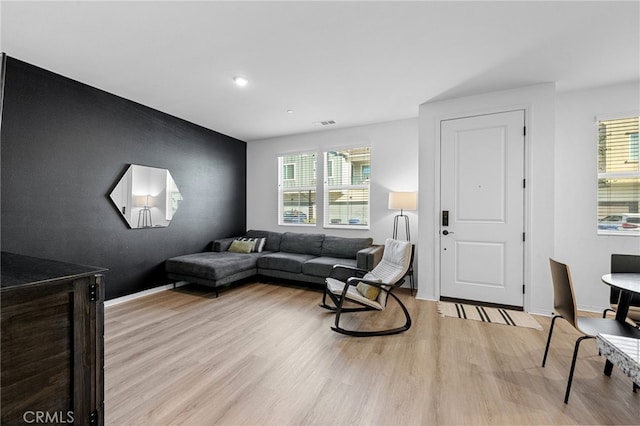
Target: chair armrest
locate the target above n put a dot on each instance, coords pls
(343, 272)
(356, 280)
(369, 257)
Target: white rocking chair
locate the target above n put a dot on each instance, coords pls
(370, 290)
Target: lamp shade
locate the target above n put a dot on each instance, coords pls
(145, 201)
(403, 200)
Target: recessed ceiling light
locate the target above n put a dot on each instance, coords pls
(289, 111)
(241, 81)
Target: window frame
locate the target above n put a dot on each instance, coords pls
(327, 188)
(601, 159)
(282, 189)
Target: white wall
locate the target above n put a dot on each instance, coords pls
(560, 169)
(539, 104)
(394, 167)
(576, 239)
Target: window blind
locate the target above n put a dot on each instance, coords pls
(297, 189)
(618, 176)
(346, 187)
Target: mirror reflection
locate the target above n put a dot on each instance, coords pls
(147, 197)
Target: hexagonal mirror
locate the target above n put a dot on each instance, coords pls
(146, 197)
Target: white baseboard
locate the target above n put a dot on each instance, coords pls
(143, 293)
(591, 308)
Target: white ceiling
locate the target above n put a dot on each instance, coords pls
(352, 62)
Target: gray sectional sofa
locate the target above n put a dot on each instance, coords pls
(294, 256)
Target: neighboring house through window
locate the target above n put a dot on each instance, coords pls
(346, 188)
(297, 189)
(618, 177)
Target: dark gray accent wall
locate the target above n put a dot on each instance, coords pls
(63, 146)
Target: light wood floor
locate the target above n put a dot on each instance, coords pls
(263, 354)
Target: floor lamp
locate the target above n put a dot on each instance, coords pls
(403, 201)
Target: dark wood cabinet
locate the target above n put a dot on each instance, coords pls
(52, 318)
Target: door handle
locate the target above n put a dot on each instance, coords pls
(445, 232)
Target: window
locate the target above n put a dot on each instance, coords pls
(633, 147)
(618, 177)
(288, 171)
(346, 188)
(297, 189)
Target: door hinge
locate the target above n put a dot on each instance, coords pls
(524, 236)
(523, 286)
(524, 183)
(93, 292)
(524, 131)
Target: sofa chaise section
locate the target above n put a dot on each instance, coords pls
(212, 268)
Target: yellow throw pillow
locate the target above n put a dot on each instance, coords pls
(369, 291)
(238, 246)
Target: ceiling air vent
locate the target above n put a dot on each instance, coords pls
(324, 123)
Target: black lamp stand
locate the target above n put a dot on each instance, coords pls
(406, 225)
(396, 219)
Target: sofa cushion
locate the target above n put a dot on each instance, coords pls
(289, 262)
(322, 266)
(273, 238)
(294, 242)
(222, 244)
(344, 247)
(212, 265)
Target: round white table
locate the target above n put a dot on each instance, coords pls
(629, 284)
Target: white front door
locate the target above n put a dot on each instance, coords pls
(482, 208)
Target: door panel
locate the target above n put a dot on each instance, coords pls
(482, 172)
(480, 263)
(480, 191)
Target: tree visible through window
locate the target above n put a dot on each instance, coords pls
(618, 177)
(346, 187)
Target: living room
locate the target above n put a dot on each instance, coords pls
(69, 134)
